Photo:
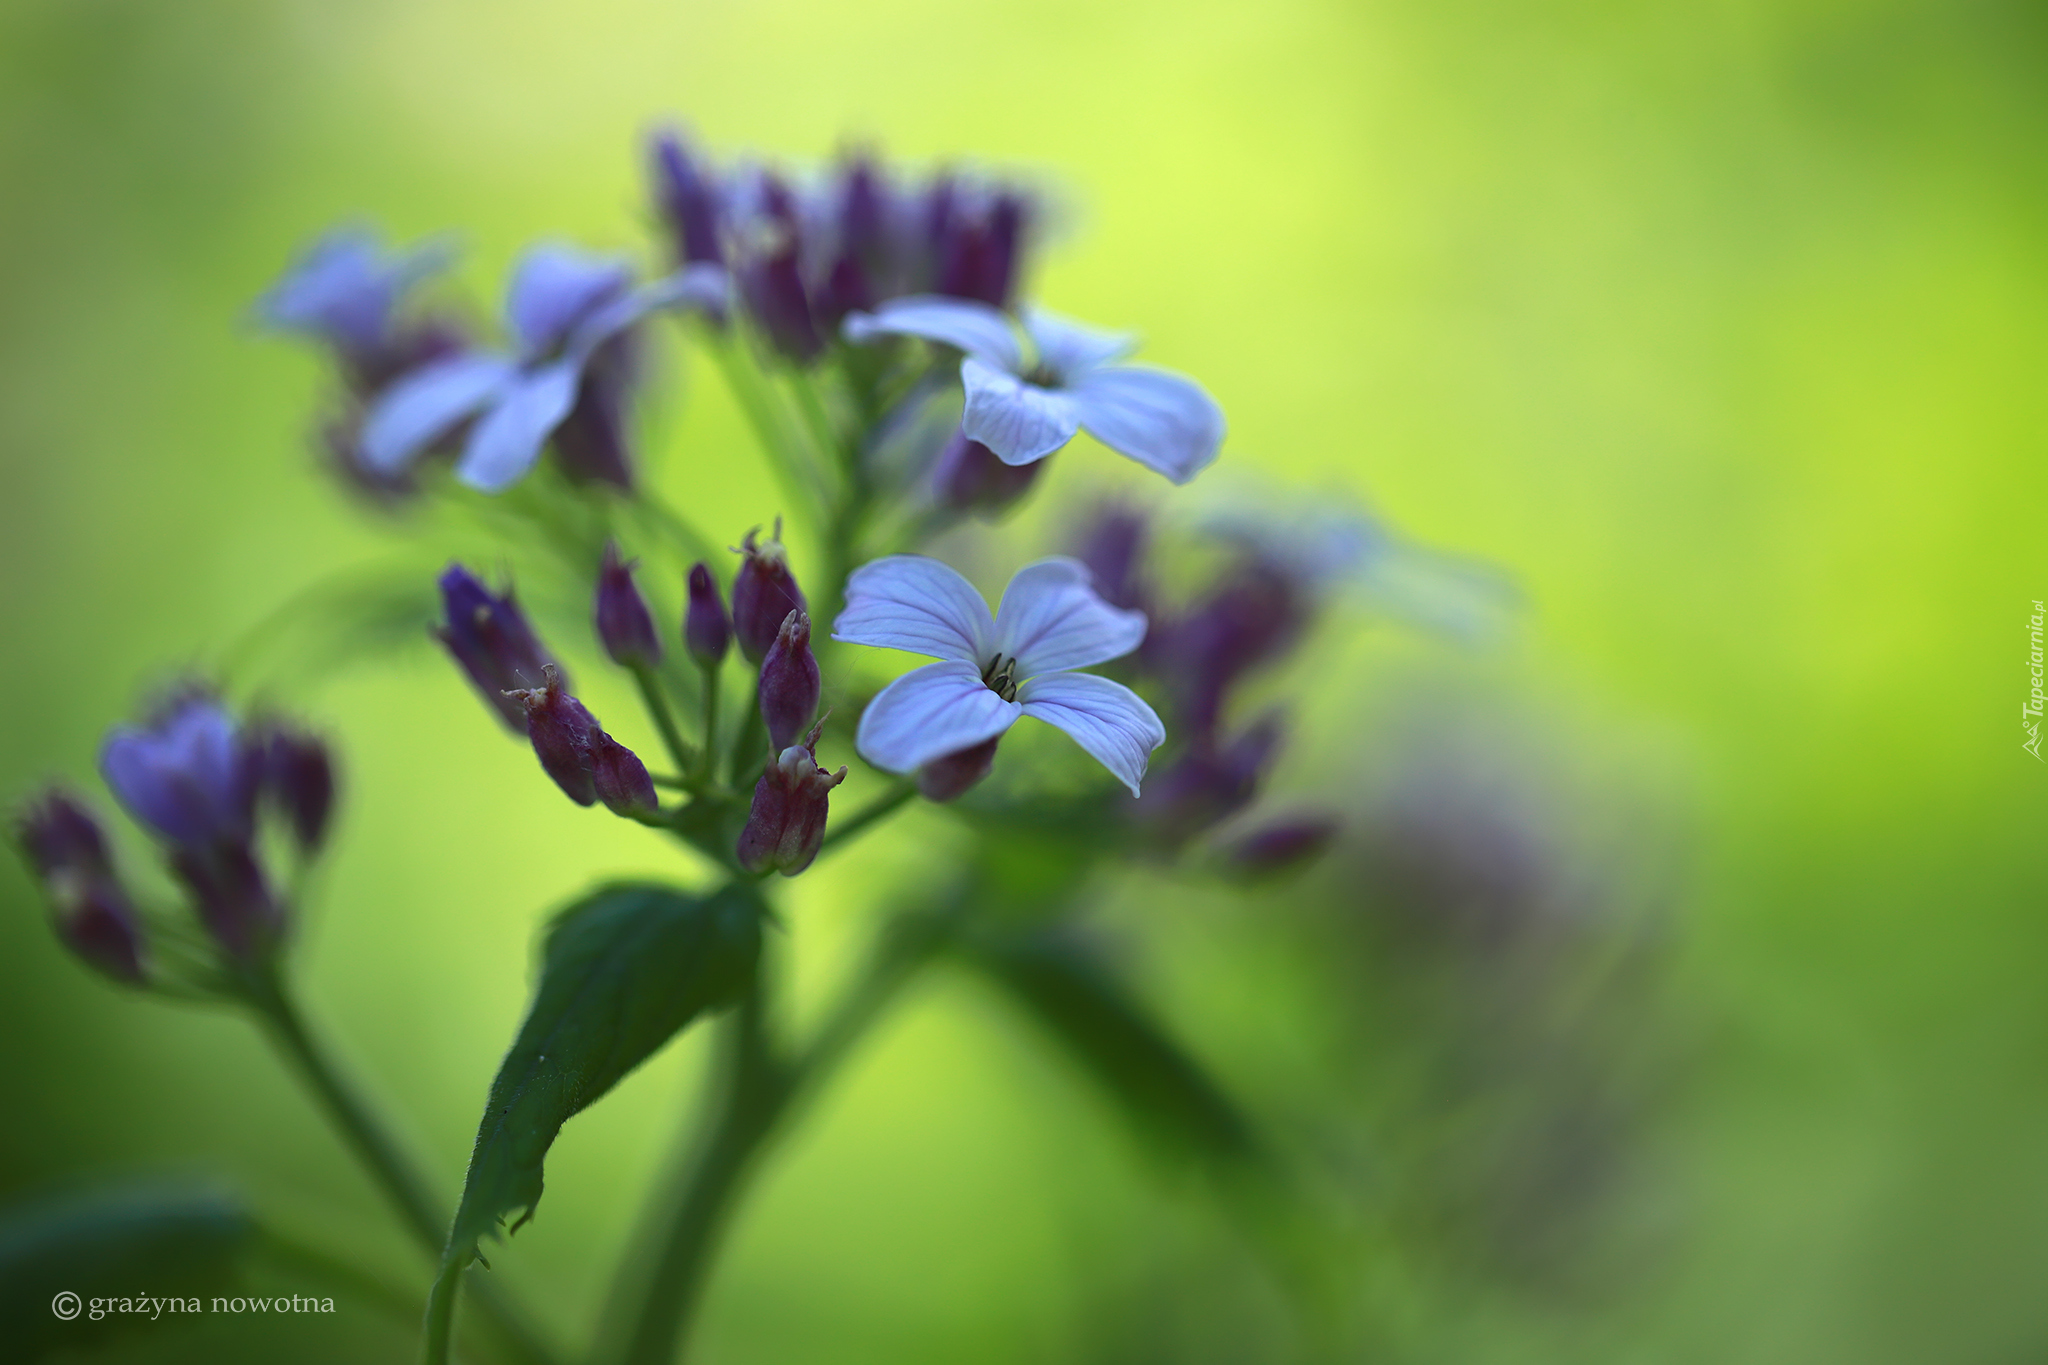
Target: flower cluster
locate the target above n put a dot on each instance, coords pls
(874, 328)
(199, 781)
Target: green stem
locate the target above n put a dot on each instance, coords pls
(756, 1089)
(875, 810)
(708, 759)
(760, 1096)
(376, 1149)
(783, 457)
(679, 750)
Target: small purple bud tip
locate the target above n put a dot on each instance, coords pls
(1280, 847)
(707, 631)
(969, 477)
(786, 824)
(298, 778)
(763, 593)
(93, 915)
(489, 637)
(688, 202)
(624, 624)
(944, 779)
(788, 688)
(562, 732)
(620, 778)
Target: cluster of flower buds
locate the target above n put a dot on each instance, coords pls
(806, 256)
(786, 823)
(1251, 615)
(197, 779)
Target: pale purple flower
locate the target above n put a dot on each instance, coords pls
(562, 307)
(994, 669)
(1024, 405)
(345, 288)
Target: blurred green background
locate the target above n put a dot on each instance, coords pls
(1722, 325)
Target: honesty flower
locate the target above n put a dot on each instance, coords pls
(561, 309)
(1024, 409)
(994, 669)
(344, 289)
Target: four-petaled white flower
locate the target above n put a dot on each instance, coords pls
(994, 669)
(1024, 409)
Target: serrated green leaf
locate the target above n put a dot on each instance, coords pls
(1069, 989)
(156, 1242)
(622, 970)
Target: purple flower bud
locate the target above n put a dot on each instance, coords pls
(620, 778)
(1206, 784)
(1113, 548)
(707, 632)
(298, 777)
(94, 917)
(191, 775)
(943, 779)
(623, 621)
(232, 896)
(586, 763)
(1280, 847)
(968, 477)
(763, 594)
(788, 689)
(688, 202)
(591, 442)
(562, 732)
(1256, 614)
(490, 638)
(774, 288)
(979, 255)
(787, 821)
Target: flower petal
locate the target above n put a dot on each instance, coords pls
(1069, 348)
(344, 286)
(554, 288)
(981, 331)
(507, 441)
(704, 287)
(1020, 422)
(427, 404)
(916, 603)
(1052, 618)
(930, 712)
(1107, 719)
(1165, 422)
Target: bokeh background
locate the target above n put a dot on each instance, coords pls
(1721, 325)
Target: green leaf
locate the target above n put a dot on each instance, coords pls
(1063, 983)
(155, 1242)
(621, 972)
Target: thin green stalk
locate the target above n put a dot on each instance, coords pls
(375, 1148)
(679, 750)
(783, 457)
(756, 1088)
(708, 758)
(760, 1096)
(879, 808)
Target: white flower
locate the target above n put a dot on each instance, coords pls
(994, 669)
(1025, 408)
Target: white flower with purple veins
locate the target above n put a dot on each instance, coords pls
(994, 669)
(1024, 406)
(563, 305)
